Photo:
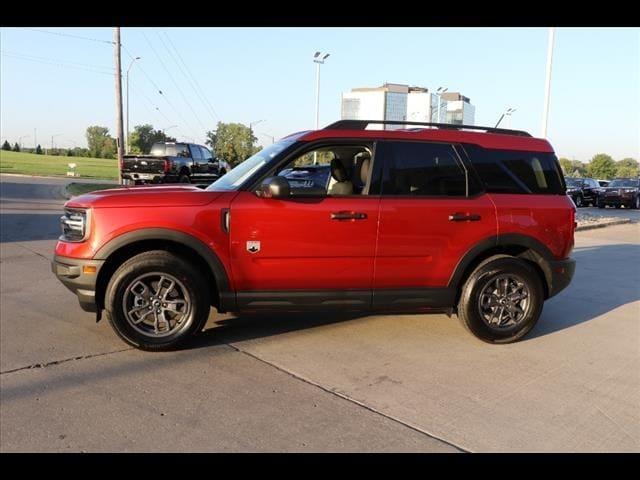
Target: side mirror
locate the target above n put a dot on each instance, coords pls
(274, 187)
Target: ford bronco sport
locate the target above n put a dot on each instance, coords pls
(431, 217)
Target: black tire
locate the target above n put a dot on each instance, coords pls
(195, 311)
(636, 203)
(184, 179)
(579, 201)
(492, 270)
(619, 205)
(600, 204)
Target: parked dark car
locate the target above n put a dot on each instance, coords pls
(170, 162)
(619, 192)
(583, 191)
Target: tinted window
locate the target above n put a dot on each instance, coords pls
(418, 168)
(507, 171)
(170, 150)
(196, 153)
(623, 182)
(206, 154)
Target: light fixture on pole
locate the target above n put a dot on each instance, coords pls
(273, 139)
(506, 113)
(167, 128)
(126, 140)
(318, 59)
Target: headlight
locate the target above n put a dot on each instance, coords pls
(629, 190)
(74, 224)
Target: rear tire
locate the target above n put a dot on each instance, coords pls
(502, 299)
(149, 292)
(636, 203)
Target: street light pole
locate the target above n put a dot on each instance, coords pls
(52, 137)
(167, 128)
(251, 124)
(318, 59)
(126, 140)
(547, 89)
(507, 113)
(20, 140)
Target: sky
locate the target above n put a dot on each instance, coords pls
(57, 83)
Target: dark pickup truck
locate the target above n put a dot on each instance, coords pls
(170, 162)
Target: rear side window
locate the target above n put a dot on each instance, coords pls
(510, 171)
(196, 153)
(420, 169)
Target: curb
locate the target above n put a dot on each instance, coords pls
(603, 225)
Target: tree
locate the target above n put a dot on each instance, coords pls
(627, 167)
(6, 145)
(144, 136)
(233, 142)
(101, 144)
(16, 147)
(573, 168)
(602, 166)
(38, 150)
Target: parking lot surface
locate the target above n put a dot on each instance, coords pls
(315, 382)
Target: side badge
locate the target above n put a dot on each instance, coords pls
(253, 247)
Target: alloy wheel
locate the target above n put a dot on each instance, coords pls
(504, 301)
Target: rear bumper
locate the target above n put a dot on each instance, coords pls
(74, 275)
(144, 177)
(561, 274)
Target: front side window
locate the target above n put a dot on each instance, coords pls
(328, 170)
(421, 169)
(196, 154)
(206, 154)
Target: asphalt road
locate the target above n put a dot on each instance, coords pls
(315, 382)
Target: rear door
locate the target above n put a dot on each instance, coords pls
(197, 167)
(431, 214)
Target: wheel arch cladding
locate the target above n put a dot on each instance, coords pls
(521, 246)
(127, 245)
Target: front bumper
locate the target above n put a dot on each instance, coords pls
(620, 199)
(561, 274)
(80, 276)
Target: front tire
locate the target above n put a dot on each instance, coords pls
(501, 300)
(578, 200)
(157, 301)
(184, 179)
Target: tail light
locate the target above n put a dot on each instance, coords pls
(167, 166)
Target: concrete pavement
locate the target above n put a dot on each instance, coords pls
(316, 382)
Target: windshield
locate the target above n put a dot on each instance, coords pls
(572, 182)
(234, 179)
(624, 182)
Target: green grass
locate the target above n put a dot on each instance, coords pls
(49, 165)
(75, 189)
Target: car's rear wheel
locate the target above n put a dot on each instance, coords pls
(618, 205)
(501, 300)
(157, 301)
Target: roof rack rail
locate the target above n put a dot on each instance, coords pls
(363, 124)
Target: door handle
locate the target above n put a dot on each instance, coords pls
(348, 215)
(464, 217)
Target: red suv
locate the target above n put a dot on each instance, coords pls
(432, 217)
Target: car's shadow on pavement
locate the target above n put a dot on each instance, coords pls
(606, 278)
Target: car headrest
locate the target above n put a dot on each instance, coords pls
(364, 170)
(338, 171)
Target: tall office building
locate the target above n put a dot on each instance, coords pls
(393, 101)
(459, 109)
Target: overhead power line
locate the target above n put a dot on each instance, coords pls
(195, 82)
(184, 97)
(58, 63)
(77, 37)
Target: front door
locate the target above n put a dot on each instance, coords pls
(315, 248)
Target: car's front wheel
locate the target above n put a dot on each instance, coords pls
(501, 300)
(157, 301)
(578, 200)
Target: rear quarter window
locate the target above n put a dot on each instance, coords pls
(510, 171)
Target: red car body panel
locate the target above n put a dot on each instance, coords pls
(301, 247)
(418, 246)
(550, 219)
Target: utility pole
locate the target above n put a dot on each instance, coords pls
(547, 90)
(119, 129)
(127, 137)
(35, 140)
